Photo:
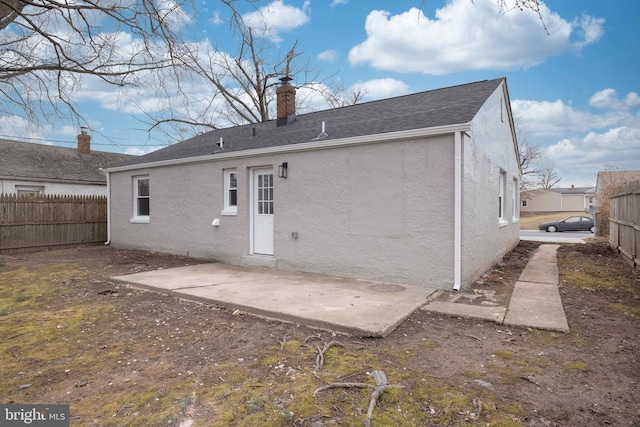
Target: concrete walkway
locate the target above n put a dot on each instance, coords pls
(535, 301)
(357, 307)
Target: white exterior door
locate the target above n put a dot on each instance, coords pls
(262, 211)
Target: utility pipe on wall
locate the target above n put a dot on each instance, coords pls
(457, 211)
(108, 209)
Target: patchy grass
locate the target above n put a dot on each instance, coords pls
(128, 357)
(577, 365)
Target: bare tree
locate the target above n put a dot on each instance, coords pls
(240, 88)
(48, 46)
(532, 158)
(549, 177)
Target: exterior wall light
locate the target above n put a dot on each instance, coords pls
(282, 170)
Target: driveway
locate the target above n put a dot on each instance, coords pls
(564, 237)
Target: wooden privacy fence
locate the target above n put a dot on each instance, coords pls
(32, 222)
(624, 221)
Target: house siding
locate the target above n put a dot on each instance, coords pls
(381, 207)
(378, 211)
(8, 186)
(552, 201)
(541, 201)
(484, 240)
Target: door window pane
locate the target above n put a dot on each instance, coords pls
(265, 194)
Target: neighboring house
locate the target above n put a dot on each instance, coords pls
(420, 189)
(572, 199)
(38, 169)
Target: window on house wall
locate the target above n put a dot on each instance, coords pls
(230, 192)
(141, 199)
(501, 198)
(525, 203)
(29, 190)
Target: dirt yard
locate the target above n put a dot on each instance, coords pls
(126, 357)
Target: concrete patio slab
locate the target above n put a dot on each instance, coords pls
(359, 307)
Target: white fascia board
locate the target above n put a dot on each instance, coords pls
(52, 180)
(305, 146)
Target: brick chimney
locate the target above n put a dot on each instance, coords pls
(286, 102)
(84, 142)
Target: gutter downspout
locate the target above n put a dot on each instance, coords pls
(108, 209)
(457, 211)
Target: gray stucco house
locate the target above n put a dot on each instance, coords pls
(420, 189)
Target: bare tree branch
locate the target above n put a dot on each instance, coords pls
(48, 46)
(549, 177)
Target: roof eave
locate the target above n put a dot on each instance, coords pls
(53, 180)
(305, 146)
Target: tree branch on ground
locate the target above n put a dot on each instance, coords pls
(378, 389)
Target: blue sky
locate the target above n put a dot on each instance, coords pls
(575, 90)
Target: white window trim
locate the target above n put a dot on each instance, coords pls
(502, 180)
(35, 190)
(515, 205)
(228, 209)
(138, 219)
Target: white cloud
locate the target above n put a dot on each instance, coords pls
(66, 130)
(173, 14)
(140, 150)
(338, 2)
(17, 128)
(276, 18)
(381, 88)
(555, 118)
(591, 29)
(606, 99)
(216, 19)
(328, 55)
(589, 140)
(583, 156)
(466, 36)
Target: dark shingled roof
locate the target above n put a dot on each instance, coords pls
(440, 107)
(24, 160)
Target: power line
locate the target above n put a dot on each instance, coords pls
(28, 139)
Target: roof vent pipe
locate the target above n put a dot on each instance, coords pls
(322, 135)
